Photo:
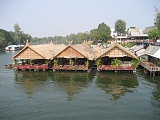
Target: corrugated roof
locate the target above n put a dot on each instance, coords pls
(140, 52)
(153, 51)
(157, 54)
(136, 47)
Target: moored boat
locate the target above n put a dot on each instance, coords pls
(13, 47)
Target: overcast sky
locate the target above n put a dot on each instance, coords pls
(46, 18)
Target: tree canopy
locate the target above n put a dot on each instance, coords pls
(10, 37)
(157, 19)
(101, 33)
(5, 38)
(155, 33)
(120, 26)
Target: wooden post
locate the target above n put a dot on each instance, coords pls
(150, 73)
(153, 74)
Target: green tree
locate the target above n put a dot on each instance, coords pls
(5, 38)
(17, 28)
(116, 62)
(98, 62)
(94, 34)
(157, 22)
(103, 32)
(17, 34)
(157, 19)
(25, 37)
(135, 63)
(120, 27)
(55, 62)
(153, 34)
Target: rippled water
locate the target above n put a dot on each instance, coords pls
(29, 95)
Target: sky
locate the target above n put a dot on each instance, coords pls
(49, 18)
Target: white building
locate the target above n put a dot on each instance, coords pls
(113, 32)
(137, 34)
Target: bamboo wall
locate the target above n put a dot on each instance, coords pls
(70, 52)
(28, 54)
(116, 52)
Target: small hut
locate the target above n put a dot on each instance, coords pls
(74, 57)
(116, 57)
(152, 53)
(37, 57)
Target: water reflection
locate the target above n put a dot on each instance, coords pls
(30, 81)
(70, 82)
(154, 83)
(155, 101)
(116, 84)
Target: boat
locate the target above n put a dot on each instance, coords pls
(13, 47)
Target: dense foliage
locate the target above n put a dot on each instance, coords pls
(101, 33)
(120, 27)
(157, 19)
(16, 37)
(155, 33)
(116, 62)
(5, 38)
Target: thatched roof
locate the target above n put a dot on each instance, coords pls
(47, 51)
(77, 51)
(86, 50)
(116, 50)
(97, 49)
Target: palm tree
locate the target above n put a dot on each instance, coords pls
(135, 63)
(55, 62)
(86, 63)
(98, 63)
(71, 62)
(14, 62)
(116, 62)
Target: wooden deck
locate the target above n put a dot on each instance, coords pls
(150, 66)
(119, 68)
(45, 67)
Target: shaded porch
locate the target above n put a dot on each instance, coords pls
(124, 65)
(116, 57)
(71, 64)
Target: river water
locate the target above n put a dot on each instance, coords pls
(29, 95)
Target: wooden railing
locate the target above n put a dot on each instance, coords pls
(150, 66)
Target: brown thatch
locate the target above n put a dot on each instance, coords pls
(97, 49)
(77, 51)
(47, 51)
(116, 50)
